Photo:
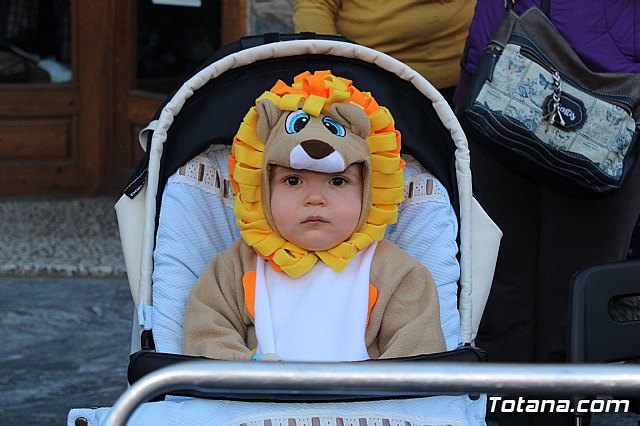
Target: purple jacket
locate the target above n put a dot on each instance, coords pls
(604, 33)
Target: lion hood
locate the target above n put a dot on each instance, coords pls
(321, 123)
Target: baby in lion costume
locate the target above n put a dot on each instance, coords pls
(317, 177)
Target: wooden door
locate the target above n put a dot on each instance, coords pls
(51, 133)
(80, 136)
(158, 46)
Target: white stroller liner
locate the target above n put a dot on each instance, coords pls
(434, 411)
(476, 266)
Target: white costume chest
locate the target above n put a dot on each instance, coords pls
(320, 316)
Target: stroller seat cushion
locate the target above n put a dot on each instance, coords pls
(196, 222)
(456, 410)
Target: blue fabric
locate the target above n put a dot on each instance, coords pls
(450, 410)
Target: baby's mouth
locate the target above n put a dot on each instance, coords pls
(314, 219)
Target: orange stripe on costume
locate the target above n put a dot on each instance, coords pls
(373, 297)
(249, 285)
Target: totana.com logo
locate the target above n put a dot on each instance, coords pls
(522, 405)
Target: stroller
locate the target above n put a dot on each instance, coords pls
(177, 213)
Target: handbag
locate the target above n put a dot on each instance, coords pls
(540, 110)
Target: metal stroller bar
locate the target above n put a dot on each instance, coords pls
(380, 378)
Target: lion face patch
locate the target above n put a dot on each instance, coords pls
(327, 143)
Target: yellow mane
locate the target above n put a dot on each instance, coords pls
(316, 92)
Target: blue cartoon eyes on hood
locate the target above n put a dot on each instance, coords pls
(334, 127)
(297, 120)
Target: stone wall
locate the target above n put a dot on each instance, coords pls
(266, 16)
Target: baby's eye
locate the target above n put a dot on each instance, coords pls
(296, 121)
(338, 181)
(334, 127)
(292, 180)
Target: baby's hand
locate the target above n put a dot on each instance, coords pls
(267, 358)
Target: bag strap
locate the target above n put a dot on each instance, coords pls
(545, 6)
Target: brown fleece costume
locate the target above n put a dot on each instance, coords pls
(404, 318)
(404, 321)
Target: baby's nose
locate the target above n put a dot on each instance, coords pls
(315, 196)
(315, 200)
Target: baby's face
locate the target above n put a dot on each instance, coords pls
(316, 211)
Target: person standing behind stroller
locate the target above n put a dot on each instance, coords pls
(549, 235)
(428, 36)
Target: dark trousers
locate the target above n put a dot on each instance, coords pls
(548, 236)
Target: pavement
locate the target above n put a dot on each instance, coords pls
(65, 310)
(65, 344)
(60, 237)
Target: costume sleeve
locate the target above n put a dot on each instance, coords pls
(215, 324)
(411, 320)
(317, 16)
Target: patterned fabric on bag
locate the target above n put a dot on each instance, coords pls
(523, 89)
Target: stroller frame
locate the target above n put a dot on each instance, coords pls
(392, 377)
(138, 244)
(140, 204)
(478, 252)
